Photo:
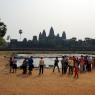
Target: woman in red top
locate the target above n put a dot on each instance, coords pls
(76, 70)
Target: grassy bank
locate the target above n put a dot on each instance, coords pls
(8, 53)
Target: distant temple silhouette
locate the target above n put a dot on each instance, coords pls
(52, 42)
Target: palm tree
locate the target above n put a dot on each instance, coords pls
(8, 37)
(20, 32)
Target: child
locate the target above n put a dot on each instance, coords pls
(76, 70)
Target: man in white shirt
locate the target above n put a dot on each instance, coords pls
(41, 66)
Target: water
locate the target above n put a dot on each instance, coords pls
(48, 62)
(48, 58)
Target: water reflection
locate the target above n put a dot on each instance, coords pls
(48, 58)
(49, 62)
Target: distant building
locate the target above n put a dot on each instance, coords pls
(52, 41)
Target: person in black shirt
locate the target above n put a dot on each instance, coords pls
(11, 64)
(56, 61)
(24, 66)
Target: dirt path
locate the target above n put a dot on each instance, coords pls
(47, 84)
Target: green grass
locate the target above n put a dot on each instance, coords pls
(8, 53)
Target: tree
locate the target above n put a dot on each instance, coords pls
(3, 29)
(2, 41)
(20, 32)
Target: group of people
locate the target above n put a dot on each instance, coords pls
(74, 65)
(26, 62)
(27, 65)
(13, 65)
(69, 65)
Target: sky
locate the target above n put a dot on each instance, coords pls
(75, 17)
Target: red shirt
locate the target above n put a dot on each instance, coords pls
(76, 69)
(82, 61)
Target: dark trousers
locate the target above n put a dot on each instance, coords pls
(89, 67)
(24, 70)
(57, 68)
(64, 70)
(14, 70)
(41, 70)
(11, 69)
(30, 70)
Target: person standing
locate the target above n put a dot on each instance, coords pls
(24, 66)
(64, 64)
(11, 64)
(89, 63)
(71, 65)
(82, 62)
(76, 71)
(93, 62)
(14, 65)
(41, 66)
(86, 63)
(30, 65)
(56, 61)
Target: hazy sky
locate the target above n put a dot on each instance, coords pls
(76, 17)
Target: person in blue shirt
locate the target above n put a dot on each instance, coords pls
(30, 65)
(24, 66)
